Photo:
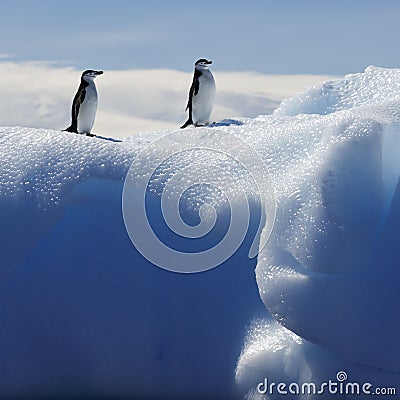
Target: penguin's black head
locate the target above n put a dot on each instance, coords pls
(90, 74)
(202, 63)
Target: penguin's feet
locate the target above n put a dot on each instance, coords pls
(90, 134)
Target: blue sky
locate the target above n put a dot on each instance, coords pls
(278, 37)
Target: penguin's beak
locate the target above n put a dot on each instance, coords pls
(99, 72)
(209, 62)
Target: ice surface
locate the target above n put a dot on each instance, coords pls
(273, 352)
(84, 313)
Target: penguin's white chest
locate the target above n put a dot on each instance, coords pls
(87, 110)
(203, 101)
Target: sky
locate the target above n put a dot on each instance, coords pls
(263, 51)
(274, 37)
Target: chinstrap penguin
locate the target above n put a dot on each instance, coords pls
(84, 106)
(201, 95)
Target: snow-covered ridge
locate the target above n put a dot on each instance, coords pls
(44, 164)
(374, 86)
(328, 272)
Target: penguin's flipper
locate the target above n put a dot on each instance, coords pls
(194, 89)
(76, 104)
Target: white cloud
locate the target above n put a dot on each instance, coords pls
(131, 101)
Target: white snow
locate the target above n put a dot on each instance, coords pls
(84, 313)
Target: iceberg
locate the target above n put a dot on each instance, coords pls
(329, 271)
(304, 286)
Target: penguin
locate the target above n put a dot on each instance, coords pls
(201, 95)
(84, 106)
